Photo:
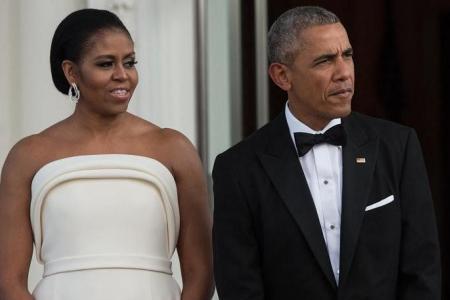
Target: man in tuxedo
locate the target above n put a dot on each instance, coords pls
(323, 203)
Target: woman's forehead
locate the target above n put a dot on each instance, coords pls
(113, 41)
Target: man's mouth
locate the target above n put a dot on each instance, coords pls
(341, 92)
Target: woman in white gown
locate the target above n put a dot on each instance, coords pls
(106, 197)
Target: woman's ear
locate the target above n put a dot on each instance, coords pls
(279, 74)
(70, 71)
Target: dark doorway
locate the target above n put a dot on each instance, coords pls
(444, 205)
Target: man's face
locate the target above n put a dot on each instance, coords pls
(321, 79)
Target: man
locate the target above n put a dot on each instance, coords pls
(323, 203)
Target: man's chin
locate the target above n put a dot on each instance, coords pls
(342, 113)
(346, 113)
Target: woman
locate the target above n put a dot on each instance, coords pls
(104, 195)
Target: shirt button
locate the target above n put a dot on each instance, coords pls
(332, 226)
(325, 181)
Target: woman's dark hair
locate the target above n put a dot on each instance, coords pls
(72, 37)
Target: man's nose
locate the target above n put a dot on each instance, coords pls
(344, 69)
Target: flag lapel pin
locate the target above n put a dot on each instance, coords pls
(360, 160)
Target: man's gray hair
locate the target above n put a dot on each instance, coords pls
(283, 37)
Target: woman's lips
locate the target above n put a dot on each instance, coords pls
(120, 93)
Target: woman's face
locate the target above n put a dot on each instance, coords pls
(107, 73)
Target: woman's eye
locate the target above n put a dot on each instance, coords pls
(105, 64)
(130, 64)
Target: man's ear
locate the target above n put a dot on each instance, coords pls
(70, 71)
(279, 74)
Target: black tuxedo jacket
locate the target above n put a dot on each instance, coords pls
(268, 243)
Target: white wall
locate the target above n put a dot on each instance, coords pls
(164, 35)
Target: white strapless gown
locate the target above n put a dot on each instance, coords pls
(105, 228)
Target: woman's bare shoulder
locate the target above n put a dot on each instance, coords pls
(168, 140)
(176, 138)
(167, 145)
(178, 149)
(151, 133)
(141, 126)
(24, 157)
(32, 152)
(56, 131)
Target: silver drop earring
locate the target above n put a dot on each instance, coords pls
(74, 93)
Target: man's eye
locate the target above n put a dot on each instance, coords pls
(322, 62)
(130, 64)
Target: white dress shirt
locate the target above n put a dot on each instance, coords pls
(322, 166)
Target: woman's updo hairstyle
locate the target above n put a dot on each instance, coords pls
(72, 36)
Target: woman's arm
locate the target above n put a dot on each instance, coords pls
(195, 241)
(16, 239)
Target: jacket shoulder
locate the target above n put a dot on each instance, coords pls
(393, 139)
(384, 129)
(244, 152)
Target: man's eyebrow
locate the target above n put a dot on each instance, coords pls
(349, 50)
(326, 56)
(330, 56)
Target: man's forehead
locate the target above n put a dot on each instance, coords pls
(323, 32)
(323, 36)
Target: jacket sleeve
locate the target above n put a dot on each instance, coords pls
(236, 253)
(420, 270)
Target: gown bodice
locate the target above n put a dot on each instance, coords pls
(107, 211)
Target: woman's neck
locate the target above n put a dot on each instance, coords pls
(96, 124)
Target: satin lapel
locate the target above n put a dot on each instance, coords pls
(281, 163)
(359, 157)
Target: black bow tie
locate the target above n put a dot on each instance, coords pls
(305, 141)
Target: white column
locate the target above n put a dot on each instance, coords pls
(7, 78)
(219, 78)
(38, 102)
(165, 50)
(262, 80)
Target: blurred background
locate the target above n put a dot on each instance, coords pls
(203, 71)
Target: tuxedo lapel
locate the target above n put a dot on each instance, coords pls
(359, 157)
(282, 165)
